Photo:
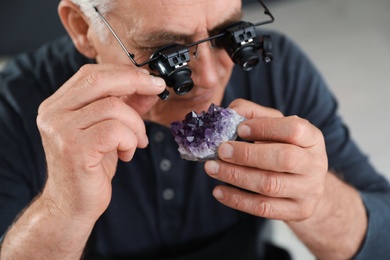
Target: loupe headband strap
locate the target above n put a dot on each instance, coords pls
(130, 55)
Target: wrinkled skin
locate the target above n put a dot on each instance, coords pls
(284, 167)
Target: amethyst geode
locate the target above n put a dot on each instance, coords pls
(199, 135)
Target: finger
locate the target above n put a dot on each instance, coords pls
(120, 81)
(277, 157)
(141, 104)
(250, 109)
(260, 205)
(106, 109)
(93, 82)
(271, 184)
(105, 137)
(292, 130)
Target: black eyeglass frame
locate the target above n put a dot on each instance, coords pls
(176, 56)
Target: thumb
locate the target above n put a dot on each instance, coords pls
(251, 110)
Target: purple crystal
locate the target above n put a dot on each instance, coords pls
(199, 136)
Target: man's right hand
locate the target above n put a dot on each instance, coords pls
(90, 122)
(93, 119)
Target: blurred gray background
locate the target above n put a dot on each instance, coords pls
(348, 40)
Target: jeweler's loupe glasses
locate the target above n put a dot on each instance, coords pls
(240, 40)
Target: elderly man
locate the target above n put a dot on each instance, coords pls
(88, 167)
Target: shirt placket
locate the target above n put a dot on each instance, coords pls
(164, 156)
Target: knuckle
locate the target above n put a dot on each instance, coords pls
(234, 175)
(40, 121)
(45, 130)
(288, 159)
(298, 129)
(263, 209)
(42, 107)
(237, 201)
(273, 185)
(48, 126)
(246, 153)
(86, 69)
(93, 78)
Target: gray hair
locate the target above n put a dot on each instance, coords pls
(87, 7)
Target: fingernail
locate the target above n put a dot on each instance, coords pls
(218, 194)
(212, 167)
(225, 150)
(244, 130)
(158, 81)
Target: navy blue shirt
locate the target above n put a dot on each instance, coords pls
(162, 206)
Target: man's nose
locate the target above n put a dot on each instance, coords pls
(205, 66)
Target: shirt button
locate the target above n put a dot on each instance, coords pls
(159, 136)
(165, 165)
(168, 194)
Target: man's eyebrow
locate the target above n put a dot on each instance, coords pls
(237, 16)
(162, 35)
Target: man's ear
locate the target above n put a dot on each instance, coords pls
(77, 26)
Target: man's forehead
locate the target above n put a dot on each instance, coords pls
(166, 34)
(173, 20)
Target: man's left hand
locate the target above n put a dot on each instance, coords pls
(280, 174)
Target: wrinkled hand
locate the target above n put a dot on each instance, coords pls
(281, 174)
(93, 119)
